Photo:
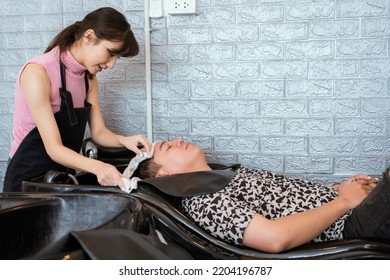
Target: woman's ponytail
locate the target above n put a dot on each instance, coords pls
(107, 23)
(65, 38)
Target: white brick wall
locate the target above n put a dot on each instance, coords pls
(292, 86)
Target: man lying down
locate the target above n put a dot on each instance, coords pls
(268, 211)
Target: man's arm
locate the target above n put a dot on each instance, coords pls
(281, 234)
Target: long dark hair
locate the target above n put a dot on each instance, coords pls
(107, 23)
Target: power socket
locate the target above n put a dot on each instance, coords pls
(182, 7)
(156, 8)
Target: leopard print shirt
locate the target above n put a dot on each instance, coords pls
(226, 213)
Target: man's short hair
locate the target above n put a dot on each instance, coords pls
(147, 169)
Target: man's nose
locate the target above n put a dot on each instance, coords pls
(179, 142)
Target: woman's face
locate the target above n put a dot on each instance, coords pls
(99, 54)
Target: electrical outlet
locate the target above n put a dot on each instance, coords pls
(182, 7)
(156, 8)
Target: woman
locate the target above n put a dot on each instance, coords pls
(57, 93)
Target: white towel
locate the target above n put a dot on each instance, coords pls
(131, 183)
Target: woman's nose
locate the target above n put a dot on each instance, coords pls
(111, 63)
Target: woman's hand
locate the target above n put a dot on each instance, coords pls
(132, 143)
(108, 175)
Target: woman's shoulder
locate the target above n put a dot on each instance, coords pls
(46, 59)
(39, 65)
(51, 56)
(43, 65)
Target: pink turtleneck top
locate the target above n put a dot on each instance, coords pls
(23, 122)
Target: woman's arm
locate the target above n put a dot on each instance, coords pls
(37, 89)
(102, 135)
(281, 234)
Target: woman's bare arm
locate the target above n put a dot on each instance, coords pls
(105, 137)
(37, 90)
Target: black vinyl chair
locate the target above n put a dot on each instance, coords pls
(158, 218)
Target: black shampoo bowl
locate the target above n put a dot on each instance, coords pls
(145, 224)
(38, 225)
(160, 212)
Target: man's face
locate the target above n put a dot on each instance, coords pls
(177, 156)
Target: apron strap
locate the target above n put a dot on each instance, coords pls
(86, 83)
(63, 75)
(66, 96)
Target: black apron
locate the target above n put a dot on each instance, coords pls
(31, 159)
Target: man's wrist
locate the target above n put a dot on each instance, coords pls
(336, 186)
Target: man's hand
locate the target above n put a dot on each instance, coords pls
(356, 189)
(370, 181)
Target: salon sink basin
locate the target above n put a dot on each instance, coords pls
(161, 213)
(37, 226)
(60, 216)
